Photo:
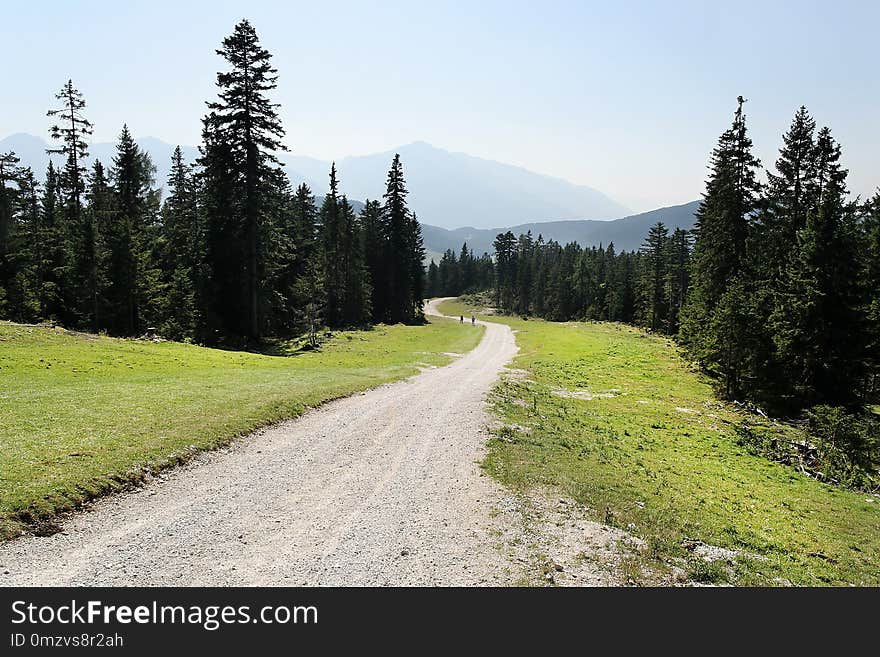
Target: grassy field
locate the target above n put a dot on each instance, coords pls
(615, 418)
(82, 415)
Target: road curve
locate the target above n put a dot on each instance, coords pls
(381, 488)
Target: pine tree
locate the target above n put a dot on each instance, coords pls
(243, 125)
(9, 183)
(332, 237)
(788, 198)
(375, 250)
(654, 306)
(180, 252)
(722, 230)
(817, 322)
(677, 277)
(308, 286)
(870, 284)
(53, 252)
(131, 239)
(93, 262)
(356, 303)
(433, 281)
(791, 191)
(720, 257)
(415, 253)
(505, 270)
(23, 289)
(524, 273)
(401, 300)
(72, 129)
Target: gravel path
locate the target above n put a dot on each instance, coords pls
(379, 488)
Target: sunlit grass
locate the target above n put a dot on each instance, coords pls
(81, 414)
(615, 418)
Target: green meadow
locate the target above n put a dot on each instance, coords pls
(616, 419)
(82, 415)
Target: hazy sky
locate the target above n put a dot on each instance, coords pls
(627, 97)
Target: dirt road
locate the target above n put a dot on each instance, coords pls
(379, 488)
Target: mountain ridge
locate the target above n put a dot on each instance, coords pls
(447, 189)
(627, 233)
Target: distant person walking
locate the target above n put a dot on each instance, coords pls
(473, 321)
(461, 319)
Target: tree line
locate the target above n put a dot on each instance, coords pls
(775, 292)
(459, 274)
(228, 253)
(564, 283)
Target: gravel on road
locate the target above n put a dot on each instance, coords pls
(381, 488)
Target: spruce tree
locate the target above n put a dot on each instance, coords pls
(332, 239)
(654, 306)
(677, 277)
(817, 322)
(93, 262)
(720, 257)
(356, 302)
(23, 290)
(242, 132)
(309, 281)
(401, 301)
(505, 270)
(788, 198)
(131, 235)
(870, 284)
(791, 191)
(375, 249)
(71, 129)
(433, 281)
(9, 184)
(180, 252)
(415, 254)
(53, 251)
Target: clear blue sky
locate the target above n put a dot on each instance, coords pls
(627, 97)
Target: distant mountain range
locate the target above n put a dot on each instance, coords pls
(627, 233)
(446, 189)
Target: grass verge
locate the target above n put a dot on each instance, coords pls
(614, 417)
(82, 415)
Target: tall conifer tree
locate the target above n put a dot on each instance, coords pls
(242, 135)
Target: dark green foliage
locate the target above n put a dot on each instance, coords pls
(131, 237)
(848, 445)
(347, 290)
(231, 255)
(462, 274)
(9, 189)
(180, 252)
(400, 258)
(714, 327)
(562, 283)
(817, 323)
(54, 251)
(654, 307)
(308, 299)
(97, 218)
(242, 133)
(23, 290)
(71, 130)
(333, 245)
(357, 304)
(870, 278)
(677, 284)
